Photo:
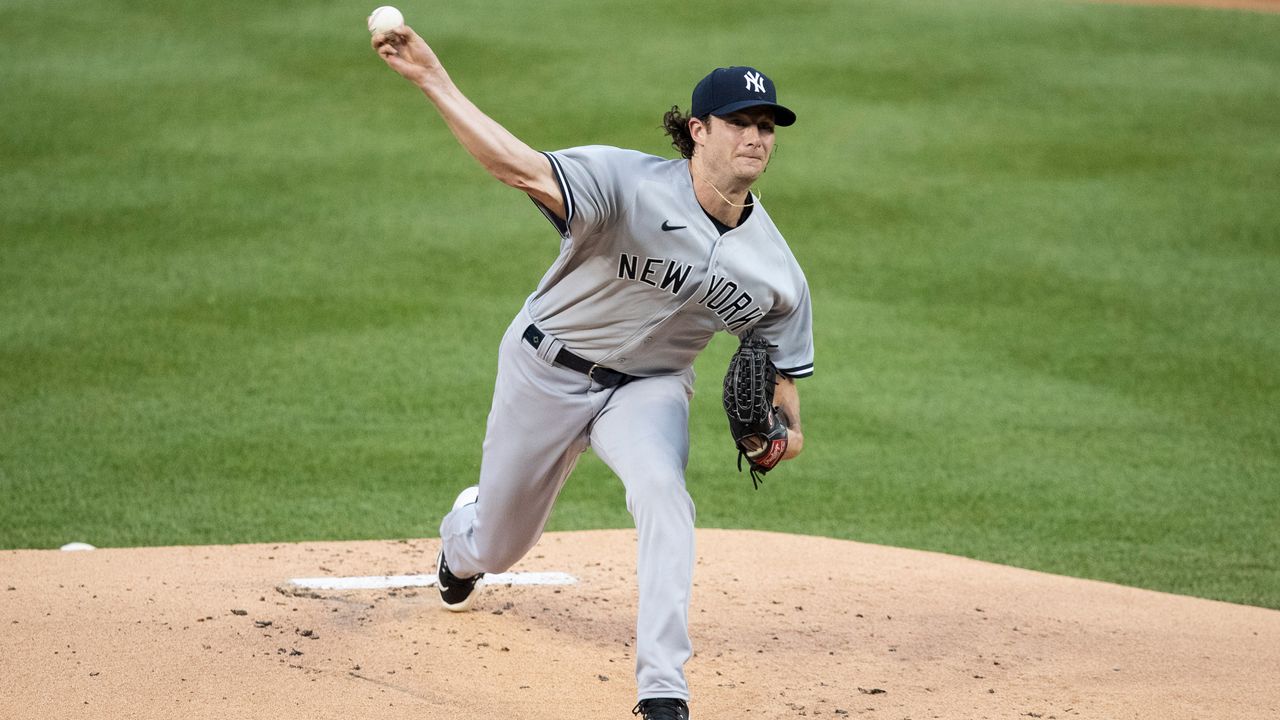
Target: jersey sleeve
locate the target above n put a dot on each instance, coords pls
(589, 180)
(791, 331)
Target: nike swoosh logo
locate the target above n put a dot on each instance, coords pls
(668, 227)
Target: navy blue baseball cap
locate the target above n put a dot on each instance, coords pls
(727, 90)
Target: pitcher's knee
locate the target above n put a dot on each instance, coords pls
(659, 492)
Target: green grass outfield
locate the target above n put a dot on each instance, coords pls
(251, 289)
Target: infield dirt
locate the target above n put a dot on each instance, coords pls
(784, 626)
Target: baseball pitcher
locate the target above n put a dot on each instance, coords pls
(656, 255)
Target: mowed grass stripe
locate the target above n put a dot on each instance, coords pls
(251, 290)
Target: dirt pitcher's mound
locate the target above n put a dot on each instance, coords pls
(785, 626)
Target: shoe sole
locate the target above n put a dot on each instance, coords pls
(466, 497)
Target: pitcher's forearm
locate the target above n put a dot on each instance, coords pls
(787, 398)
(505, 156)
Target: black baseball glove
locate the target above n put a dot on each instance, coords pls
(759, 429)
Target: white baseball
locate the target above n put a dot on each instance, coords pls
(384, 19)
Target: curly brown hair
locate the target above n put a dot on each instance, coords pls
(676, 124)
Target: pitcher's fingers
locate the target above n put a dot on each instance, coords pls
(389, 37)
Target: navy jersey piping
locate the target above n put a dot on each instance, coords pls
(801, 371)
(566, 194)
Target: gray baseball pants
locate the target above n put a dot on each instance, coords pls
(543, 417)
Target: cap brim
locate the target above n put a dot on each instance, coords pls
(782, 116)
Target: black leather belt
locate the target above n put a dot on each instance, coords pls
(597, 373)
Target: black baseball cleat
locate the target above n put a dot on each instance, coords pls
(457, 594)
(662, 709)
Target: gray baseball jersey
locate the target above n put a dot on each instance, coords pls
(645, 278)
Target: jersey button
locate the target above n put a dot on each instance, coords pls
(648, 339)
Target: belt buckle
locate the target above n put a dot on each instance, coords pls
(611, 377)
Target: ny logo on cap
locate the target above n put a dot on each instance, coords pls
(755, 81)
